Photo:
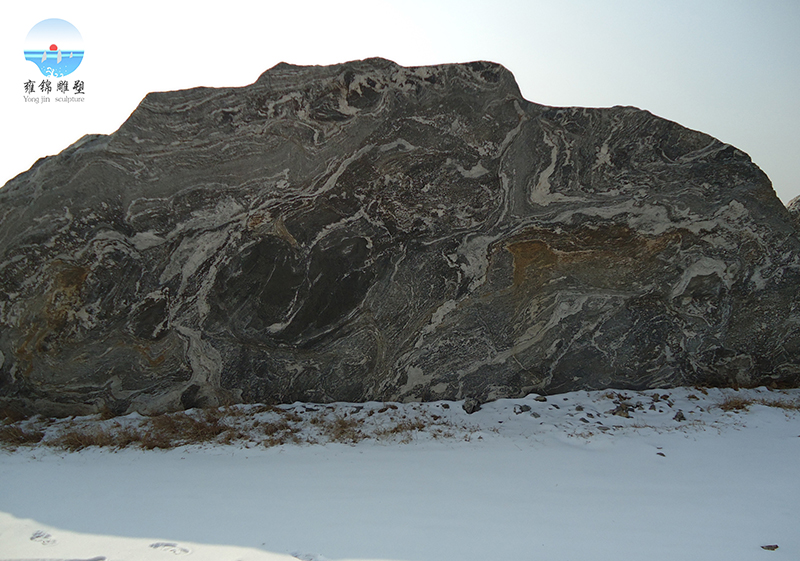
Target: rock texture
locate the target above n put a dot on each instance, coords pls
(372, 232)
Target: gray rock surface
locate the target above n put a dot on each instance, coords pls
(794, 209)
(372, 232)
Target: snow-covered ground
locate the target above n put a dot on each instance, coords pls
(598, 475)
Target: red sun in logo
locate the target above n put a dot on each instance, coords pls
(53, 47)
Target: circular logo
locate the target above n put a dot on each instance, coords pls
(55, 47)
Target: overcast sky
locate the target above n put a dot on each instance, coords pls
(726, 67)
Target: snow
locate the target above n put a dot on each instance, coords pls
(561, 479)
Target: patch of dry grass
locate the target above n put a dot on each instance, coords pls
(78, 436)
(183, 428)
(13, 436)
(157, 432)
(261, 425)
(739, 403)
(75, 439)
(786, 405)
(405, 429)
(279, 432)
(343, 429)
(735, 403)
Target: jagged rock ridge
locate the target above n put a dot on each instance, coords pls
(366, 231)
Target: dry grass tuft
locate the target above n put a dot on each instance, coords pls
(279, 432)
(781, 404)
(344, 430)
(124, 437)
(74, 439)
(403, 427)
(735, 403)
(180, 429)
(13, 435)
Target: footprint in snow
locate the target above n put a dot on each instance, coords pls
(100, 558)
(308, 556)
(43, 538)
(170, 547)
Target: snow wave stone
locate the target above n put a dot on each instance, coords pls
(366, 231)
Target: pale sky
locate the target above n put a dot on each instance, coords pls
(728, 68)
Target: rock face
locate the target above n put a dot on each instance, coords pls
(372, 232)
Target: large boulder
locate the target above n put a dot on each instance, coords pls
(366, 231)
